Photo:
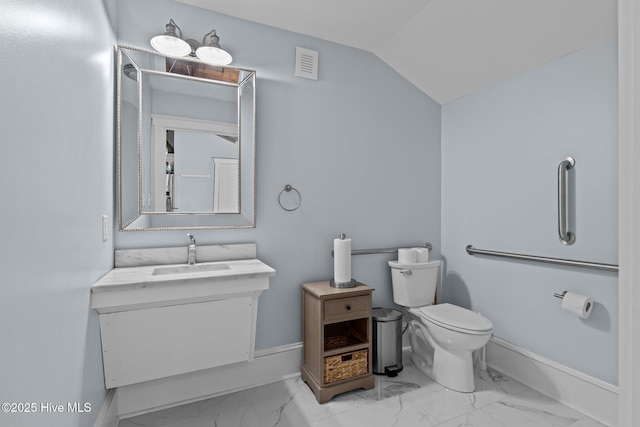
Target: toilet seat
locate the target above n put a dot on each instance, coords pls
(456, 318)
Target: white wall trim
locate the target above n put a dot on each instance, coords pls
(628, 211)
(108, 415)
(269, 366)
(587, 394)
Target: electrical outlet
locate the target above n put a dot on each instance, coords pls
(105, 228)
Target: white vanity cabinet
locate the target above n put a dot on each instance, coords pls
(155, 325)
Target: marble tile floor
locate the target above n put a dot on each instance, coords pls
(408, 400)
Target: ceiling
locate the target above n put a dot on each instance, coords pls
(447, 48)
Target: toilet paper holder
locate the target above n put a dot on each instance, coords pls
(580, 305)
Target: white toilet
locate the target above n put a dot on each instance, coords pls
(443, 336)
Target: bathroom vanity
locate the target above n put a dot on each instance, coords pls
(336, 335)
(162, 320)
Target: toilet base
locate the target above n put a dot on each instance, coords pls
(456, 373)
(450, 369)
(421, 350)
(421, 364)
(458, 378)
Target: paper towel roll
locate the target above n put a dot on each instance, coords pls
(342, 260)
(580, 305)
(422, 254)
(407, 255)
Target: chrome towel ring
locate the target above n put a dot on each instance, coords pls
(288, 189)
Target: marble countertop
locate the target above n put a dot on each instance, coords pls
(178, 255)
(123, 278)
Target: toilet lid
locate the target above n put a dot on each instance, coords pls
(414, 265)
(453, 317)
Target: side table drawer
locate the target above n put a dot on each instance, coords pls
(337, 309)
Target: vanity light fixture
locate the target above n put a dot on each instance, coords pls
(211, 52)
(172, 43)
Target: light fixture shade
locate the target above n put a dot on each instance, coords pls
(211, 52)
(214, 55)
(170, 45)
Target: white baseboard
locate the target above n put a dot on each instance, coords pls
(268, 366)
(589, 395)
(108, 415)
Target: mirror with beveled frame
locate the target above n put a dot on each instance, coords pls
(185, 143)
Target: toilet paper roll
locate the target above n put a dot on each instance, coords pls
(342, 260)
(422, 254)
(407, 255)
(580, 305)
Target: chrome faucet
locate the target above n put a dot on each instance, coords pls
(192, 249)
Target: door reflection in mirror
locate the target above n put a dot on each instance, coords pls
(201, 172)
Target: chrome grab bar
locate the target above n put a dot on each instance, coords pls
(566, 237)
(387, 250)
(560, 261)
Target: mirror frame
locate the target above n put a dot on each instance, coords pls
(177, 220)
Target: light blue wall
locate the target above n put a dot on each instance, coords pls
(57, 181)
(501, 147)
(361, 144)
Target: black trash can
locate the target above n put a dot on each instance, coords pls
(387, 341)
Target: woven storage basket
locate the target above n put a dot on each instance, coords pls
(331, 343)
(344, 366)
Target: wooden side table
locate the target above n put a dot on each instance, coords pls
(336, 335)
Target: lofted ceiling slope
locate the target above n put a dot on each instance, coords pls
(446, 48)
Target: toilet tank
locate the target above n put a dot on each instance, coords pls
(414, 284)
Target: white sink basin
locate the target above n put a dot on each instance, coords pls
(193, 268)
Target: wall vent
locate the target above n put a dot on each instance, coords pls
(306, 63)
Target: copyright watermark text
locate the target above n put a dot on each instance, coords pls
(45, 407)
